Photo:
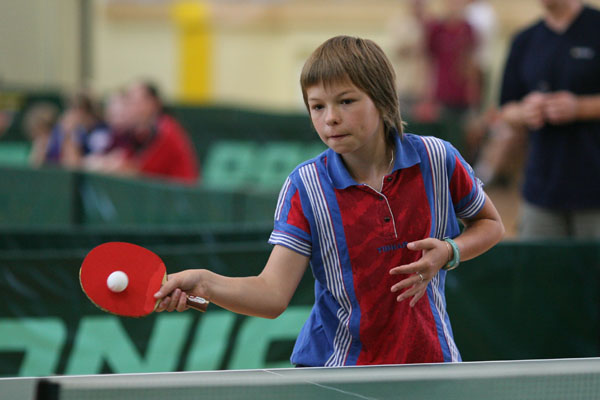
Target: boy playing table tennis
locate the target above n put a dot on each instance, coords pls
(373, 215)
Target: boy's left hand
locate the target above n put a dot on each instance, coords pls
(435, 256)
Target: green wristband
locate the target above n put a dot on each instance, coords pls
(455, 258)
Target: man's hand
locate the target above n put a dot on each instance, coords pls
(532, 110)
(560, 107)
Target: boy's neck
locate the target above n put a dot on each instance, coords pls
(370, 168)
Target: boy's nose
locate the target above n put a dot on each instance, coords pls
(332, 117)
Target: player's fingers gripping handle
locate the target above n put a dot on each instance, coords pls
(173, 282)
(167, 288)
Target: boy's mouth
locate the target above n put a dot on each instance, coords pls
(338, 136)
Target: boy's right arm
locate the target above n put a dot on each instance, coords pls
(266, 295)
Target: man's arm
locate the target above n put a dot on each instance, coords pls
(527, 113)
(564, 107)
(556, 108)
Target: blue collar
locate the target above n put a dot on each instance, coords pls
(405, 156)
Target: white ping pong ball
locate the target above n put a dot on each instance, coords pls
(117, 281)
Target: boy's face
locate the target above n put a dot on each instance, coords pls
(345, 117)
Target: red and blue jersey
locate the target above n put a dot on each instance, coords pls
(355, 234)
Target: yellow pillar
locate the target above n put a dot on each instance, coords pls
(195, 37)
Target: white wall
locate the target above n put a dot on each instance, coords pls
(259, 46)
(39, 43)
(127, 47)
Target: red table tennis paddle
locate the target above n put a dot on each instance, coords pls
(135, 275)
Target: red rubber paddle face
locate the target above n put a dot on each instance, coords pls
(145, 271)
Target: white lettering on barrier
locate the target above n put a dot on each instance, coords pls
(103, 339)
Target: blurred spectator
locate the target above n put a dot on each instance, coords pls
(38, 123)
(80, 132)
(454, 79)
(150, 142)
(551, 88)
(489, 141)
(117, 116)
(501, 149)
(120, 125)
(481, 16)
(409, 58)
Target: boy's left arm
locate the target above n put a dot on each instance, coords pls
(483, 229)
(481, 232)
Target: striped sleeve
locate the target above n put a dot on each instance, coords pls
(291, 228)
(466, 189)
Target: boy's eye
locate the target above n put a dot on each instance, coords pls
(347, 101)
(316, 107)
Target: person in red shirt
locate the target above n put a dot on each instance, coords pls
(450, 45)
(160, 147)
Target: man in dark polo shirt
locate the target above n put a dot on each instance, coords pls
(551, 88)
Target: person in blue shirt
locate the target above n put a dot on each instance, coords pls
(80, 132)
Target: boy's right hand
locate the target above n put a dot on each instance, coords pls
(173, 293)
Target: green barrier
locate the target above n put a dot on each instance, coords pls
(14, 153)
(246, 165)
(52, 197)
(241, 182)
(518, 301)
(40, 294)
(528, 300)
(39, 242)
(229, 165)
(109, 201)
(37, 198)
(209, 124)
(276, 162)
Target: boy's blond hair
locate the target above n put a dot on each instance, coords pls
(365, 64)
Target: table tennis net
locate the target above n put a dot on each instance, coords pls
(528, 380)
